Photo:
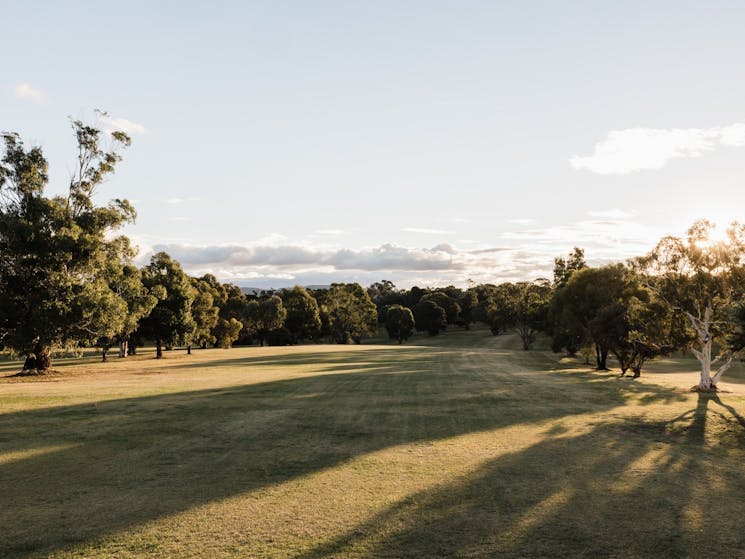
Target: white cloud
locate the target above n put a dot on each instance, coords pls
(521, 254)
(27, 91)
(329, 232)
(386, 257)
(637, 149)
(427, 231)
(112, 124)
(522, 221)
(614, 213)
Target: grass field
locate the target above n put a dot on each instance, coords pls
(456, 446)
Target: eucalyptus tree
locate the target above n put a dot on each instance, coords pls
(447, 302)
(227, 331)
(576, 304)
(468, 303)
(701, 277)
(171, 321)
(57, 253)
(263, 316)
(385, 294)
(303, 319)
(565, 267)
(636, 327)
(527, 310)
(399, 322)
(126, 282)
(429, 317)
(347, 312)
(205, 312)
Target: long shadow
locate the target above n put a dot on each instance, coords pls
(653, 490)
(345, 359)
(71, 474)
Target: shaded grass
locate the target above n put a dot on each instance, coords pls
(455, 446)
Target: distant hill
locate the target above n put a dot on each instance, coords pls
(259, 290)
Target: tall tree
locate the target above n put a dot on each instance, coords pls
(702, 279)
(575, 305)
(565, 267)
(384, 294)
(528, 310)
(233, 305)
(429, 317)
(444, 300)
(127, 283)
(227, 331)
(263, 316)
(303, 315)
(54, 252)
(347, 312)
(205, 312)
(399, 322)
(170, 322)
(468, 303)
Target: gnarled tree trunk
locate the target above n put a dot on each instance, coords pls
(702, 326)
(39, 358)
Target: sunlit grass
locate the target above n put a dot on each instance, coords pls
(460, 445)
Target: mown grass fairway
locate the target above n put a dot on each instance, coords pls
(457, 446)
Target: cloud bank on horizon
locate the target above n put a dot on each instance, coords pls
(638, 149)
(520, 254)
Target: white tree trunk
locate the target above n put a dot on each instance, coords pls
(123, 348)
(702, 326)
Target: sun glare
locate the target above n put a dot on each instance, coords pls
(716, 235)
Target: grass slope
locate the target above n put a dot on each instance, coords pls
(456, 446)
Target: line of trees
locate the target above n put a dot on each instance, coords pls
(67, 279)
(687, 294)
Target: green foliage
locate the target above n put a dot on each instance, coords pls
(445, 301)
(610, 309)
(126, 282)
(303, 319)
(521, 306)
(264, 316)
(205, 312)
(171, 321)
(429, 317)
(347, 313)
(565, 267)
(576, 304)
(384, 294)
(399, 322)
(468, 303)
(702, 279)
(57, 258)
(226, 332)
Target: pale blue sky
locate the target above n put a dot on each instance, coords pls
(312, 141)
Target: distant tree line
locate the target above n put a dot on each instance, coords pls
(67, 280)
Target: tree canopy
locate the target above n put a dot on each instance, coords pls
(58, 255)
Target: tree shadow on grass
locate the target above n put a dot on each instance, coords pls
(649, 489)
(71, 474)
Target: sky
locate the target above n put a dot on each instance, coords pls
(426, 142)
